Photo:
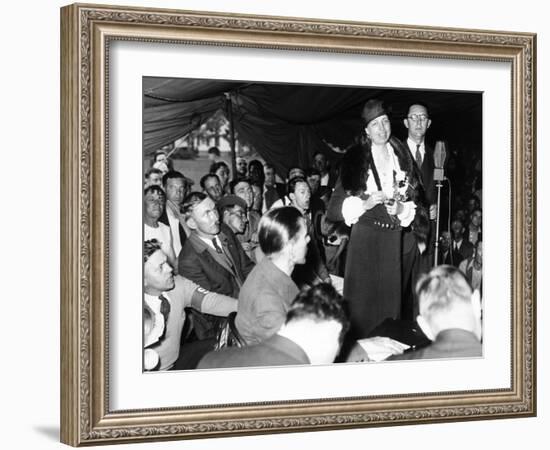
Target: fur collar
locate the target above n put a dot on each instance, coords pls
(354, 174)
(356, 163)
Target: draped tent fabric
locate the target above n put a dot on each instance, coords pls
(287, 123)
(172, 107)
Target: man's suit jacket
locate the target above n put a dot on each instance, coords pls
(181, 232)
(275, 351)
(272, 194)
(466, 249)
(453, 260)
(427, 171)
(452, 343)
(200, 263)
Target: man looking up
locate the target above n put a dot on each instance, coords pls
(232, 210)
(169, 295)
(314, 270)
(249, 238)
(212, 257)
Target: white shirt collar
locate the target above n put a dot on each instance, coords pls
(153, 302)
(412, 147)
(157, 329)
(209, 241)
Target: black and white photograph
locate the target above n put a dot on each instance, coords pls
(305, 224)
(272, 223)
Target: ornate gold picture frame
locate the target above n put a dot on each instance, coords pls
(87, 33)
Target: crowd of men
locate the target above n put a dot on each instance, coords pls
(249, 271)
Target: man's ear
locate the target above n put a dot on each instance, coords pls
(476, 303)
(291, 196)
(191, 223)
(429, 123)
(425, 327)
(223, 215)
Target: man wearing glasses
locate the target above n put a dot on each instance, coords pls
(232, 210)
(417, 123)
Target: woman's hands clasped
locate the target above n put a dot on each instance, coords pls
(393, 207)
(376, 198)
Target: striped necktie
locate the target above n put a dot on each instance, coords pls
(217, 246)
(418, 156)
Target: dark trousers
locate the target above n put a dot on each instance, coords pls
(191, 353)
(409, 270)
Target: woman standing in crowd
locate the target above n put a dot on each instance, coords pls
(379, 193)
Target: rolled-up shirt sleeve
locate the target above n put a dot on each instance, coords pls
(407, 215)
(352, 209)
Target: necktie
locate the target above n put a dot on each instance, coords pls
(164, 307)
(217, 246)
(227, 260)
(307, 217)
(418, 156)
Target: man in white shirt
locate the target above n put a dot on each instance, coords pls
(169, 295)
(154, 202)
(176, 186)
(417, 123)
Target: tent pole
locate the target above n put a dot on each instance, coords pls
(229, 111)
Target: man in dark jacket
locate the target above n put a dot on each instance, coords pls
(212, 256)
(417, 123)
(450, 315)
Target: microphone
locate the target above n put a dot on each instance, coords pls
(440, 153)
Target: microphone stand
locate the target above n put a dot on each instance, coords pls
(438, 185)
(439, 160)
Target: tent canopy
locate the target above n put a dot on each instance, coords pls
(288, 123)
